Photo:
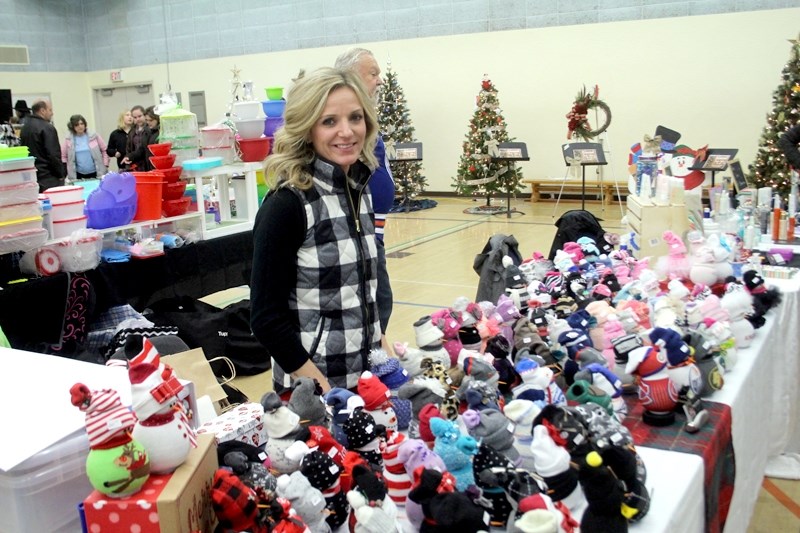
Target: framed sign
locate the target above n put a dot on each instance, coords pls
(405, 152)
(716, 159)
(512, 151)
(584, 153)
(739, 180)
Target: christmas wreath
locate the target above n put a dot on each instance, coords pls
(578, 117)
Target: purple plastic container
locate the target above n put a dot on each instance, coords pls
(271, 126)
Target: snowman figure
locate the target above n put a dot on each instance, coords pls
(162, 428)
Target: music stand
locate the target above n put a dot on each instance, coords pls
(510, 151)
(588, 154)
(405, 152)
(716, 161)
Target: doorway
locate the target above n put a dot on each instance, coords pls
(109, 102)
(197, 105)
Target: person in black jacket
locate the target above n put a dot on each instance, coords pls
(140, 156)
(135, 151)
(788, 143)
(41, 138)
(118, 140)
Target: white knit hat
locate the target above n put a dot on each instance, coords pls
(549, 458)
(426, 333)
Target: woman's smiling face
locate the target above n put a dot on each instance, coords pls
(339, 132)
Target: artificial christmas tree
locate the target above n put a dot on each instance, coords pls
(396, 127)
(478, 175)
(770, 168)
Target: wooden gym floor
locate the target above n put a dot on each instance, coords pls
(430, 255)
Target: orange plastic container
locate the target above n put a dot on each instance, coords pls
(148, 190)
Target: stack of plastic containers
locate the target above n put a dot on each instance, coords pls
(20, 214)
(113, 203)
(273, 106)
(179, 127)
(67, 210)
(218, 141)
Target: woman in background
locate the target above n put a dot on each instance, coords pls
(118, 139)
(314, 269)
(83, 151)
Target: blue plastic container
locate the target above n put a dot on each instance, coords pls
(273, 108)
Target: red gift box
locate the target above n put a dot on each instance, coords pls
(179, 502)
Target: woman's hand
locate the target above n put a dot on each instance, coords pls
(309, 369)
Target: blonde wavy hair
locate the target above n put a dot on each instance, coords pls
(121, 119)
(293, 152)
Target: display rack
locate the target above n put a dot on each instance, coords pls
(222, 178)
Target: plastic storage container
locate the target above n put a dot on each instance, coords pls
(21, 224)
(15, 177)
(17, 211)
(221, 136)
(227, 153)
(245, 110)
(250, 128)
(22, 241)
(23, 163)
(65, 194)
(273, 108)
(254, 149)
(67, 211)
(64, 228)
(271, 125)
(42, 493)
(19, 193)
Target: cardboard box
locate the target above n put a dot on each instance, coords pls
(244, 422)
(173, 503)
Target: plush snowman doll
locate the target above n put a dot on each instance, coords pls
(162, 428)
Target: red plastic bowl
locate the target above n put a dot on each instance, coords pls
(173, 191)
(254, 149)
(173, 208)
(159, 149)
(171, 175)
(161, 162)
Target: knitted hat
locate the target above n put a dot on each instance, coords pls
(325, 442)
(150, 393)
(498, 346)
(409, 358)
(426, 333)
(488, 458)
(537, 521)
(279, 421)
(671, 341)
(470, 311)
(422, 391)
(549, 458)
(306, 500)
(506, 310)
(469, 337)
(106, 417)
(604, 495)
(447, 510)
(374, 393)
(388, 369)
(521, 413)
(513, 275)
(480, 395)
(234, 503)
(480, 370)
(361, 429)
(492, 428)
(414, 453)
(252, 473)
(427, 412)
(306, 402)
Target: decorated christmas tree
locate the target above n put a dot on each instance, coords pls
(478, 175)
(396, 127)
(770, 168)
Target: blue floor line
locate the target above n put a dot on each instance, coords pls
(420, 305)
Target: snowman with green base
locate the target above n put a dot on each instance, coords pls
(117, 465)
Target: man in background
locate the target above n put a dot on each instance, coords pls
(361, 61)
(41, 138)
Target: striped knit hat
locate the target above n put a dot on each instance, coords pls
(106, 417)
(398, 482)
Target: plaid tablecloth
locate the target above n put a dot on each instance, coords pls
(713, 443)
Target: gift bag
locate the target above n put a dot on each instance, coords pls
(194, 366)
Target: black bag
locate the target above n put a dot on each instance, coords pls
(219, 332)
(575, 224)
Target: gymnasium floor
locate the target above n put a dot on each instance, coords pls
(430, 255)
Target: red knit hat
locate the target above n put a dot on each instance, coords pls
(372, 390)
(106, 417)
(427, 412)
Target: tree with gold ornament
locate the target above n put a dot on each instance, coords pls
(770, 168)
(394, 123)
(477, 174)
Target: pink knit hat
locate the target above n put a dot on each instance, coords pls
(106, 417)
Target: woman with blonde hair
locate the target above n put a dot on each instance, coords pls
(118, 139)
(314, 266)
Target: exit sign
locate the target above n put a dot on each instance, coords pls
(116, 75)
